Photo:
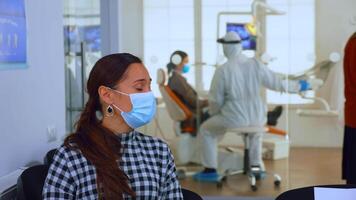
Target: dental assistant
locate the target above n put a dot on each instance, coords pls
(235, 101)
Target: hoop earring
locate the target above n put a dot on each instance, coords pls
(109, 111)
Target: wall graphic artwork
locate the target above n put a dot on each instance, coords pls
(13, 41)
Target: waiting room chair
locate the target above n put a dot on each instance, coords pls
(48, 159)
(30, 183)
(307, 193)
(178, 112)
(190, 195)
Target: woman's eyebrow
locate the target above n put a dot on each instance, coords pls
(139, 80)
(142, 80)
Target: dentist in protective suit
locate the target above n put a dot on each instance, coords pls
(235, 101)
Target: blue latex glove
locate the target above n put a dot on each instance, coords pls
(304, 85)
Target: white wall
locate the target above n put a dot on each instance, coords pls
(122, 26)
(34, 98)
(109, 18)
(131, 27)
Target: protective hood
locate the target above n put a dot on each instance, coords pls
(231, 44)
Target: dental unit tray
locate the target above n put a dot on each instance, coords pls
(320, 71)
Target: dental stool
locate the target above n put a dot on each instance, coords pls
(253, 172)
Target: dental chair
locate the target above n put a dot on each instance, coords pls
(317, 76)
(321, 72)
(178, 112)
(176, 108)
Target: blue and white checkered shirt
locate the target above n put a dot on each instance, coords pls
(147, 161)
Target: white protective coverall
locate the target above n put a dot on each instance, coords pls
(235, 101)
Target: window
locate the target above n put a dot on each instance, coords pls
(291, 39)
(82, 42)
(168, 26)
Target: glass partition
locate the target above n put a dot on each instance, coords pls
(290, 147)
(81, 19)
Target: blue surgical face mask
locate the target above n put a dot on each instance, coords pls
(186, 68)
(143, 109)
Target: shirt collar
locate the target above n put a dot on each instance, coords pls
(127, 136)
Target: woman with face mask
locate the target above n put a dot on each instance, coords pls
(106, 158)
(177, 66)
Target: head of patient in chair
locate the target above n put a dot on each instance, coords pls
(178, 62)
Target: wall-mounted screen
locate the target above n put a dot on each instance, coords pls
(246, 32)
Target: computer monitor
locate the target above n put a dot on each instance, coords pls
(247, 35)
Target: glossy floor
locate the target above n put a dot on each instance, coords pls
(305, 167)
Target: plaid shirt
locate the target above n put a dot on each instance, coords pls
(147, 161)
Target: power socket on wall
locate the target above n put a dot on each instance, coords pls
(51, 133)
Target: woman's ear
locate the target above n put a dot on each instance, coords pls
(106, 95)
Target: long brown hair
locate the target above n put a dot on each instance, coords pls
(97, 143)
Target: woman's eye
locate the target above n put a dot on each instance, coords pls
(139, 89)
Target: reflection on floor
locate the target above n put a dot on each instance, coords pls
(305, 167)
